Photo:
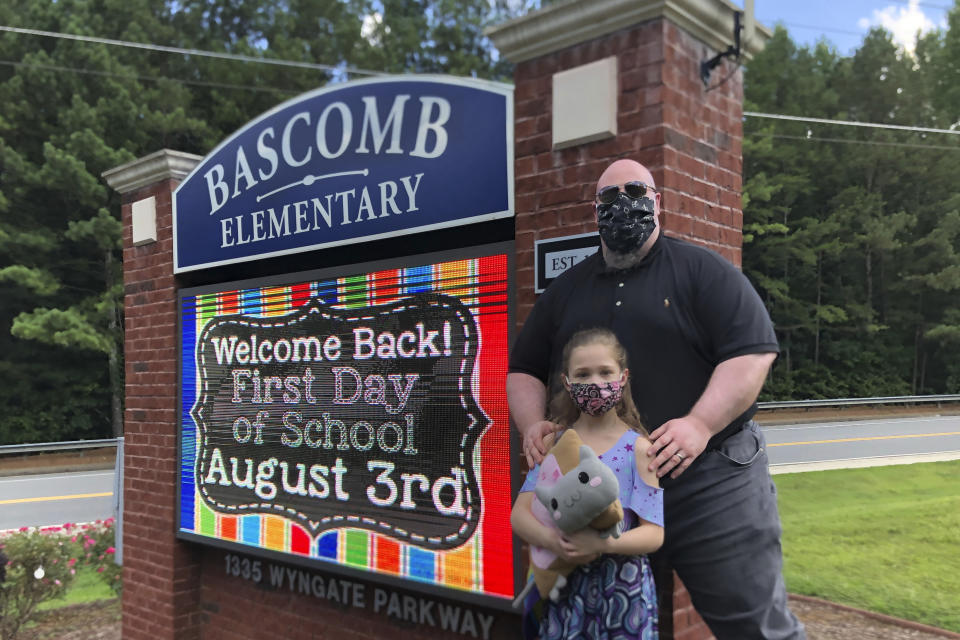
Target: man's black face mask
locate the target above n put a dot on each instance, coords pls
(626, 223)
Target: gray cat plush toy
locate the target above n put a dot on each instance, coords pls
(574, 490)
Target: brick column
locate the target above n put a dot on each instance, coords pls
(688, 136)
(177, 590)
(160, 575)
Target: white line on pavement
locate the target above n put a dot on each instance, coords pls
(856, 423)
(857, 463)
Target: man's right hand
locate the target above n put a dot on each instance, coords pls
(534, 448)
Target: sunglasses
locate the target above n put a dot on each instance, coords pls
(634, 189)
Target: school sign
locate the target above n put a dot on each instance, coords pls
(367, 160)
(352, 418)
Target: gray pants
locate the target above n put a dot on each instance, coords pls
(723, 539)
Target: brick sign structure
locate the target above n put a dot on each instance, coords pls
(594, 81)
(601, 80)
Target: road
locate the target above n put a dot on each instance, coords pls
(55, 498)
(861, 443)
(41, 500)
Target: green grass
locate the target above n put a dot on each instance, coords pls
(87, 586)
(885, 539)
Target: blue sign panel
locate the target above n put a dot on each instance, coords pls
(358, 161)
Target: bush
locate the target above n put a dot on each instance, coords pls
(41, 564)
(96, 549)
(38, 567)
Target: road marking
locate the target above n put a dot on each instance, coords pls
(860, 463)
(73, 496)
(909, 435)
(855, 423)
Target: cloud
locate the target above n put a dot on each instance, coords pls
(902, 22)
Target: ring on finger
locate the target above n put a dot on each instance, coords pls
(679, 456)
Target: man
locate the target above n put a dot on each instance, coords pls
(700, 344)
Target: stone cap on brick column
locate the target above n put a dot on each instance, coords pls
(571, 22)
(150, 169)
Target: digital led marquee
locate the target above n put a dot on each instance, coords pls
(357, 419)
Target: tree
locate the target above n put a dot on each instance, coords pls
(75, 109)
(849, 232)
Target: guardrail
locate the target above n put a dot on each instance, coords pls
(13, 449)
(845, 402)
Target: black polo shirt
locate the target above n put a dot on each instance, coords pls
(679, 313)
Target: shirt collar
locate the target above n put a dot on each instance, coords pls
(646, 260)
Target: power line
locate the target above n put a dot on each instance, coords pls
(221, 85)
(849, 123)
(826, 29)
(323, 67)
(759, 134)
(928, 5)
(137, 76)
(191, 52)
(925, 5)
(847, 32)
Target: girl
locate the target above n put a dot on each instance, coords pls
(611, 595)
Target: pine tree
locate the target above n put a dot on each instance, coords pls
(75, 109)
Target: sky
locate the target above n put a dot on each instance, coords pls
(845, 22)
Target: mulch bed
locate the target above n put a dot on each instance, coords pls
(824, 621)
(829, 621)
(89, 621)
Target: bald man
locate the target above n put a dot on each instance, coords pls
(700, 344)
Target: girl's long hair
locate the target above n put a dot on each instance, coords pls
(563, 410)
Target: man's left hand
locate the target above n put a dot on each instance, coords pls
(676, 444)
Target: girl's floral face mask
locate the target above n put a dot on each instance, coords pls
(596, 399)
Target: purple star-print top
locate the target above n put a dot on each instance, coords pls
(639, 499)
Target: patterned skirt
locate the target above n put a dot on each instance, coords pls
(612, 598)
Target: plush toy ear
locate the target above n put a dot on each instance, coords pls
(549, 475)
(567, 450)
(549, 471)
(586, 453)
